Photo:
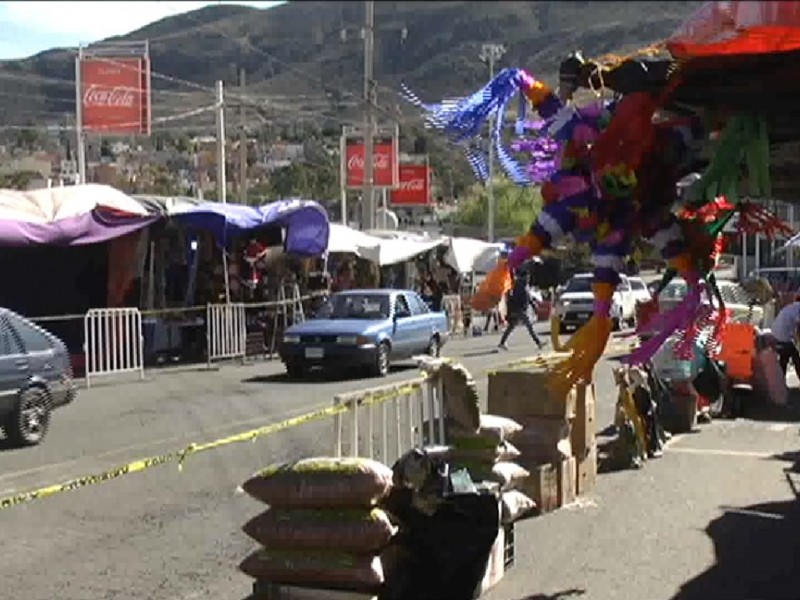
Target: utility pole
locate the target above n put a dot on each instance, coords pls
(491, 53)
(80, 138)
(242, 143)
(368, 205)
(221, 183)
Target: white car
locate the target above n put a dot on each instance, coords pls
(735, 297)
(575, 302)
(639, 290)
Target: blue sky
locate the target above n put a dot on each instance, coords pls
(30, 27)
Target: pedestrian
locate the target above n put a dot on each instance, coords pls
(518, 301)
(784, 330)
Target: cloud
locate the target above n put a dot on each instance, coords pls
(37, 26)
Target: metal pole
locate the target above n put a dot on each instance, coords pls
(79, 139)
(242, 144)
(221, 183)
(489, 54)
(384, 207)
(369, 117)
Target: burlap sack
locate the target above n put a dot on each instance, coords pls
(319, 568)
(515, 506)
(322, 483)
(492, 428)
(359, 531)
(508, 474)
(477, 453)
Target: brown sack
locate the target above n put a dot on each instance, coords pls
(349, 530)
(322, 483)
(304, 567)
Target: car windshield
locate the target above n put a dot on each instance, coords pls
(356, 306)
(675, 290)
(578, 285)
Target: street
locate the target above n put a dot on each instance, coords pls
(169, 535)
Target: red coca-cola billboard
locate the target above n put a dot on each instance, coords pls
(384, 163)
(115, 95)
(414, 188)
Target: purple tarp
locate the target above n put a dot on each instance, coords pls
(90, 228)
(305, 222)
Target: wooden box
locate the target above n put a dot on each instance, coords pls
(543, 440)
(567, 481)
(584, 427)
(586, 471)
(542, 486)
(524, 393)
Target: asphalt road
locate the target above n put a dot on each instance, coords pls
(169, 535)
(164, 534)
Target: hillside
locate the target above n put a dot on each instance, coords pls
(296, 58)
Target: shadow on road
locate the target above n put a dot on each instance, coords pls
(323, 377)
(757, 555)
(763, 411)
(573, 593)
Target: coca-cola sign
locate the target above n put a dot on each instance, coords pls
(383, 163)
(115, 95)
(414, 188)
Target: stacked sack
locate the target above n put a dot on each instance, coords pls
(323, 527)
(481, 443)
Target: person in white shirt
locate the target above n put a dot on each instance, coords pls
(784, 330)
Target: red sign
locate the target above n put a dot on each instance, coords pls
(384, 163)
(414, 188)
(115, 95)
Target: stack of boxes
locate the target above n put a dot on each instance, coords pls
(557, 442)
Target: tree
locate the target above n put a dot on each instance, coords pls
(515, 207)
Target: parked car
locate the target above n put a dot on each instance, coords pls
(35, 378)
(735, 297)
(641, 293)
(575, 302)
(366, 329)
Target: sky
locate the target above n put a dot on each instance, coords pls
(27, 28)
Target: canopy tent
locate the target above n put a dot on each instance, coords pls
(69, 216)
(305, 222)
(380, 247)
(347, 240)
(466, 255)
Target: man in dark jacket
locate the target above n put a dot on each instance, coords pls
(517, 301)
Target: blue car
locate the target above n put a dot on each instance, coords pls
(366, 329)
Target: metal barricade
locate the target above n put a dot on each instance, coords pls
(404, 411)
(113, 342)
(451, 304)
(226, 331)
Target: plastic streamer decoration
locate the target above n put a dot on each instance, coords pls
(608, 174)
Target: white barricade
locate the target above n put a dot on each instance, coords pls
(402, 411)
(451, 305)
(113, 342)
(226, 331)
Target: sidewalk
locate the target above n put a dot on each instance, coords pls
(715, 519)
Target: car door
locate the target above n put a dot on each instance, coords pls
(36, 347)
(421, 323)
(14, 366)
(403, 327)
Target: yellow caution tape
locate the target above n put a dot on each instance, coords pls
(247, 436)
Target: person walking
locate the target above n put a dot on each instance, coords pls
(784, 330)
(517, 302)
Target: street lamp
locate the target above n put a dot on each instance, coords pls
(490, 54)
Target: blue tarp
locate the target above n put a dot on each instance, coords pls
(305, 222)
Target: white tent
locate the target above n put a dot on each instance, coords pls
(386, 248)
(54, 204)
(468, 254)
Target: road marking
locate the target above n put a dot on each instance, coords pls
(752, 513)
(721, 452)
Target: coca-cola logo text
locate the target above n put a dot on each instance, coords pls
(413, 185)
(380, 162)
(116, 97)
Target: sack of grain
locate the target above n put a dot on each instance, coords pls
(492, 429)
(361, 531)
(508, 474)
(478, 451)
(322, 483)
(514, 506)
(318, 568)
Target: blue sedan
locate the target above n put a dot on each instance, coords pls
(365, 329)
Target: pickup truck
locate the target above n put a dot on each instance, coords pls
(575, 302)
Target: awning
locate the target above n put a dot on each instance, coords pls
(69, 216)
(386, 248)
(305, 222)
(468, 254)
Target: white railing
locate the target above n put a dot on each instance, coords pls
(113, 342)
(226, 331)
(402, 410)
(451, 305)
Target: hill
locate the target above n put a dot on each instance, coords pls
(300, 65)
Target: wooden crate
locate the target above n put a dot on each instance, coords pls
(543, 439)
(586, 471)
(523, 393)
(567, 481)
(584, 427)
(542, 486)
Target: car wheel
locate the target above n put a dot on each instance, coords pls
(28, 423)
(435, 347)
(295, 370)
(381, 366)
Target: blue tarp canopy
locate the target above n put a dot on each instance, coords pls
(305, 222)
